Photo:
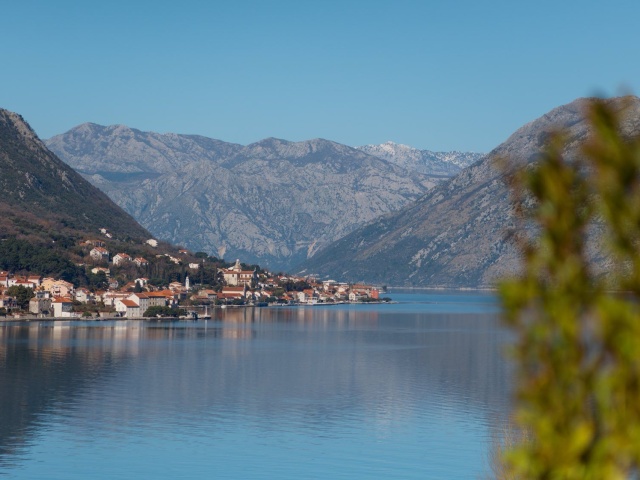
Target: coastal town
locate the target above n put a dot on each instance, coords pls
(24, 295)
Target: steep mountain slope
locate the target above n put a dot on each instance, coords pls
(48, 211)
(437, 164)
(41, 196)
(458, 234)
(272, 202)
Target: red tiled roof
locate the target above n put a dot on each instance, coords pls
(231, 295)
(161, 293)
(232, 289)
(62, 300)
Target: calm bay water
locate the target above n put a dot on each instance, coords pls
(407, 390)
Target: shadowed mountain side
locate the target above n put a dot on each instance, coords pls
(459, 233)
(41, 196)
(273, 202)
(127, 150)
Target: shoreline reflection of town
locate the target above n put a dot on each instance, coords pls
(312, 365)
(125, 335)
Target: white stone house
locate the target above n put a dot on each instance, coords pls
(308, 296)
(84, 296)
(99, 253)
(121, 258)
(8, 303)
(62, 307)
(25, 282)
(140, 262)
(110, 298)
(106, 271)
(148, 299)
(128, 308)
(356, 296)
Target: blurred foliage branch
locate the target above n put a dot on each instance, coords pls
(577, 351)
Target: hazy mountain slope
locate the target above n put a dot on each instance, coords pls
(458, 233)
(118, 149)
(273, 202)
(437, 164)
(41, 195)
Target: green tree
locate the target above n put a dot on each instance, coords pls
(578, 333)
(98, 281)
(22, 295)
(160, 311)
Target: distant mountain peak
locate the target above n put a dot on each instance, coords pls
(395, 149)
(423, 161)
(269, 141)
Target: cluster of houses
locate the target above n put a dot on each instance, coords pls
(100, 254)
(248, 286)
(58, 298)
(51, 296)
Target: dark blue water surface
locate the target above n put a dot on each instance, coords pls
(407, 390)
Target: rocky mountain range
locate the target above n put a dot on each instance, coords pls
(273, 202)
(459, 233)
(435, 164)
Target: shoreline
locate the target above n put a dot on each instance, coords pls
(31, 318)
(440, 289)
(27, 318)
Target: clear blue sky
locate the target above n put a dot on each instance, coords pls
(440, 75)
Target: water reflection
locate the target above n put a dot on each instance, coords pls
(326, 374)
(47, 365)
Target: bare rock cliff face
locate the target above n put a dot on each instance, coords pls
(458, 234)
(273, 202)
